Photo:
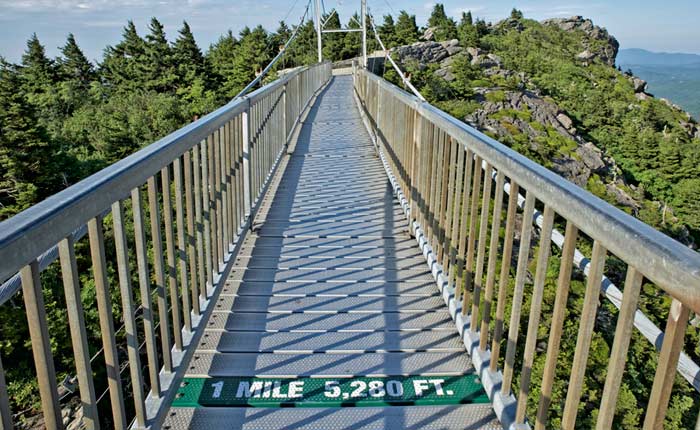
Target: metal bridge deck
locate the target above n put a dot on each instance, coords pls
(330, 285)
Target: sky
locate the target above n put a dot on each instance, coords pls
(670, 26)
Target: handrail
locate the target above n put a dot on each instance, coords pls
(31, 232)
(201, 186)
(443, 171)
(665, 261)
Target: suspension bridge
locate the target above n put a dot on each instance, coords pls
(330, 251)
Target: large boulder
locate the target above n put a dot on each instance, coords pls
(427, 52)
(640, 85)
(606, 52)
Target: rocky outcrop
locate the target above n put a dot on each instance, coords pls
(427, 52)
(577, 167)
(606, 52)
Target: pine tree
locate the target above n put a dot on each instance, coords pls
(39, 83)
(160, 66)
(445, 27)
(406, 29)
(27, 157)
(124, 65)
(193, 79)
(466, 31)
(251, 58)
(387, 31)
(221, 57)
(516, 14)
(352, 42)
(74, 65)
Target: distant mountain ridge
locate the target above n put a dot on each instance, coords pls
(643, 57)
(673, 76)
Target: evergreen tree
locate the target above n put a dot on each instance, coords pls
(221, 57)
(406, 29)
(38, 82)
(516, 14)
(445, 27)
(124, 65)
(387, 31)
(160, 62)
(74, 65)
(193, 80)
(466, 31)
(352, 42)
(251, 58)
(27, 157)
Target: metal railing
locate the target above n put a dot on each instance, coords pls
(453, 182)
(194, 194)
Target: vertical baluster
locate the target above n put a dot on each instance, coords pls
(218, 192)
(246, 154)
(430, 183)
(555, 330)
(76, 320)
(145, 290)
(104, 308)
(493, 258)
(424, 178)
(457, 207)
(618, 356)
(435, 182)
(444, 178)
(520, 274)
(41, 345)
(128, 315)
(170, 247)
(5, 412)
(471, 236)
(162, 298)
(671, 349)
(226, 169)
(585, 333)
(193, 239)
(213, 205)
(414, 178)
(209, 246)
(446, 244)
(463, 229)
(481, 253)
(237, 181)
(535, 311)
(181, 250)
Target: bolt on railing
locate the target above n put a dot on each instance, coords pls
(445, 172)
(175, 211)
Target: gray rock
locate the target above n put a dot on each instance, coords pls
(429, 34)
(606, 52)
(640, 85)
(565, 121)
(423, 52)
(452, 47)
(585, 55)
(474, 52)
(642, 96)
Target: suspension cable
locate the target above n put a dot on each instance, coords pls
(387, 55)
(278, 56)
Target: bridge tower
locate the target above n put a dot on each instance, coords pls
(320, 30)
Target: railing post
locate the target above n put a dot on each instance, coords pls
(247, 194)
(41, 345)
(76, 321)
(284, 115)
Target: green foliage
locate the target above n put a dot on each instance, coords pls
(445, 27)
(406, 29)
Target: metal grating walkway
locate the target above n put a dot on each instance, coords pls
(330, 285)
